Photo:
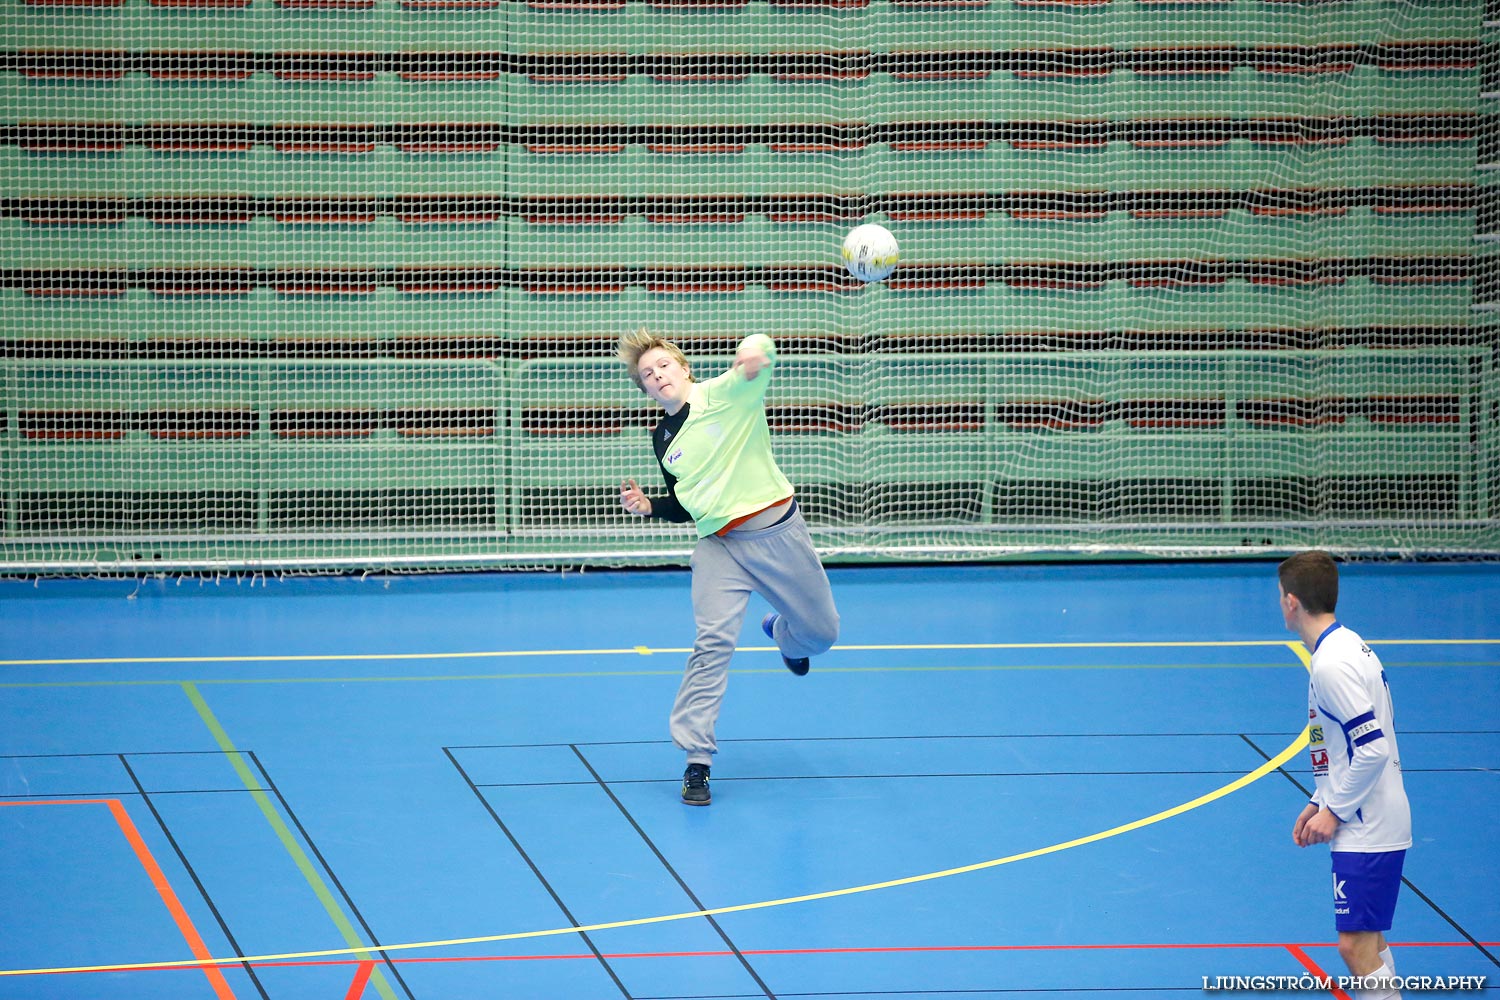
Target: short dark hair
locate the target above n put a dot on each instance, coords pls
(1314, 578)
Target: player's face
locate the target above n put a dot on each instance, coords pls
(664, 378)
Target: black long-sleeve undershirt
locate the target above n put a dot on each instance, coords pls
(667, 508)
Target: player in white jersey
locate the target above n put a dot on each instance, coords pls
(1359, 805)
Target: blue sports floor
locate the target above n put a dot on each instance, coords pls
(1006, 781)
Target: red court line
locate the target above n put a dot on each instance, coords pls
(361, 977)
(159, 880)
(1315, 969)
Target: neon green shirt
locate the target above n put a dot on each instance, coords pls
(721, 457)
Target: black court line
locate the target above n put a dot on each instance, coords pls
(348, 901)
(193, 874)
(537, 872)
(123, 794)
(1404, 880)
(940, 774)
(133, 792)
(200, 791)
(1236, 734)
(869, 777)
(697, 903)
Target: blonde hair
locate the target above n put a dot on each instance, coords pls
(633, 345)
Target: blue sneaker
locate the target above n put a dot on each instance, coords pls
(799, 666)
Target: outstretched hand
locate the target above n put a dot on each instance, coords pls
(633, 500)
(751, 360)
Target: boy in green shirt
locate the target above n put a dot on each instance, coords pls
(714, 448)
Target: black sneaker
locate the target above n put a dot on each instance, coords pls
(800, 665)
(695, 785)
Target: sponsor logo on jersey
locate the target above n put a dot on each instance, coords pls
(674, 456)
(1319, 762)
(1315, 735)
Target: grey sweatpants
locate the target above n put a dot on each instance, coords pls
(780, 564)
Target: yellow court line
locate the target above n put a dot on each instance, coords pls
(1291, 750)
(649, 650)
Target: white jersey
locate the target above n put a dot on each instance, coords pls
(1356, 766)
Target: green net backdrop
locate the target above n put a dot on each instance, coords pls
(302, 284)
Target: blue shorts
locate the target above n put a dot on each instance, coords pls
(1365, 888)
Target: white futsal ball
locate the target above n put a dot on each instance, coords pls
(871, 252)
